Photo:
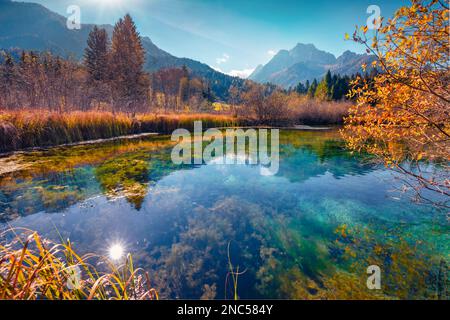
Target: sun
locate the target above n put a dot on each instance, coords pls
(110, 3)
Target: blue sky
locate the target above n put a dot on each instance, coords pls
(235, 35)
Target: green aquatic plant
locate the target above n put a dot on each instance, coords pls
(200, 255)
(127, 176)
(57, 178)
(234, 273)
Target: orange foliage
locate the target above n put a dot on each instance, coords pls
(402, 116)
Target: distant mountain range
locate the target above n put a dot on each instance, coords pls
(31, 26)
(306, 62)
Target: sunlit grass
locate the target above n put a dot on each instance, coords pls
(39, 128)
(34, 268)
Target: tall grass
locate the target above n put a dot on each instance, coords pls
(27, 129)
(24, 129)
(305, 110)
(312, 111)
(33, 268)
(167, 123)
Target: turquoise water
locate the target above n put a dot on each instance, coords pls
(308, 232)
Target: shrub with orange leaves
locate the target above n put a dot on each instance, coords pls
(402, 116)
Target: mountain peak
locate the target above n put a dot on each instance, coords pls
(309, 53)
(348, 53)
(305, 45)
(306, 62)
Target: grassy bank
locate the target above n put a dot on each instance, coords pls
(27, 129)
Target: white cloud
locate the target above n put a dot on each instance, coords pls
(271, 53)
(217, 69)
(244, 74)
(224, 58)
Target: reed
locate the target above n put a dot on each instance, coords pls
(312, 111)
(20, 130)
(32, 268)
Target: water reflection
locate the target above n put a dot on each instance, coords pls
(308, 232)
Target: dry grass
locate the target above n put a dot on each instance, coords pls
(39, 128)
(166, 123)
(33, 268)
(312, 111)
(24, 129)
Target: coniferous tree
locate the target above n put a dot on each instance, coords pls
(96, 57)
(130, 82)
(312, 89)
(328, 79)
(301, 89)
(96, 61)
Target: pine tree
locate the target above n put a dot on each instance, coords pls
(96, 57)
(312, 89)
(130, 82)
(300, 88)
(307, 85)
(328, 79)
(96, 61)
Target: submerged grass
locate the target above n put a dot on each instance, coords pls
(34, 268)
(39, 128)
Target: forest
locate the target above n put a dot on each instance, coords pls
(111, 78)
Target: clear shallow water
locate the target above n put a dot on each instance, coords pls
(309, 232)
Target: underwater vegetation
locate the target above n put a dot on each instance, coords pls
(218, 231)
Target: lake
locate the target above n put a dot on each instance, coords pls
(308, 232)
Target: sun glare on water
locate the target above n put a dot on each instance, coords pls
(116, 252)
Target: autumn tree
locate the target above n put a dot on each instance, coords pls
(323, 91)
(402, 115)
(130, 82)
(267, 105)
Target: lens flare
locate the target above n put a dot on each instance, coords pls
(110, 2)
